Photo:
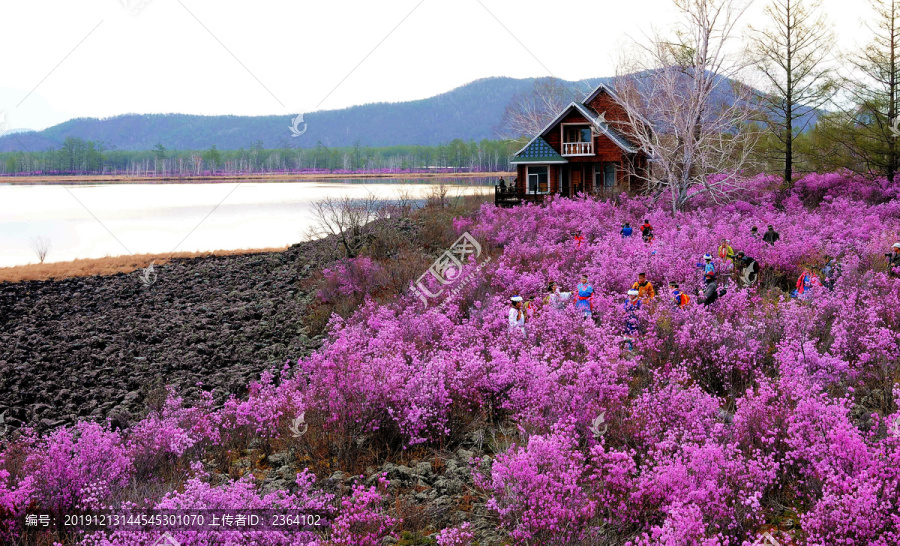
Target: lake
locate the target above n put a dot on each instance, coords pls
(94, 221)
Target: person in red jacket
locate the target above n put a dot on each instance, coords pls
(578, 237)
(807, 284)
(647, 231)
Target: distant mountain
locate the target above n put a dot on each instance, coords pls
(471, 112)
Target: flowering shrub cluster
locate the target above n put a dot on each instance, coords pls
(351, 278)
(719, 423)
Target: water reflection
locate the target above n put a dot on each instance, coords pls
(93, 221)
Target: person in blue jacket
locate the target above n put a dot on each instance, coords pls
(626, 230)
(583, 293)
(707, 265)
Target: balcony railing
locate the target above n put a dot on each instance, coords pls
(578, 148)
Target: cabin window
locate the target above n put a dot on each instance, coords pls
(609, 175)
(538, 179)
(578, 134)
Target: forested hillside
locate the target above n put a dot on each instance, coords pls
(471, 112)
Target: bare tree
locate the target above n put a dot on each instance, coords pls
(404, 201)
(439, 195)
(685, 107)
(41, 246)
(866, 129)
(347, 220)
(528, 113)
(791, 53)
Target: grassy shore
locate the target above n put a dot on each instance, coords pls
(298, 177)
(110, 265)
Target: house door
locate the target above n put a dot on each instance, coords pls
(564, 181)
(587, 172)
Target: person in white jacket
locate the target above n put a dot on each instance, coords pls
(516, 315)
(556, 297)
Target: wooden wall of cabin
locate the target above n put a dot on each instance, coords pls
(612, 110)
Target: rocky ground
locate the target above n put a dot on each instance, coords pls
(432, 492)
(98, 347)
(105, 347)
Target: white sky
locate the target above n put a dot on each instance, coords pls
(156, 57)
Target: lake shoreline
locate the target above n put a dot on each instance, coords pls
(216, 179)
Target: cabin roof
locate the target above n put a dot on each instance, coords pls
(601, 88)
(600, 125)
(597, 123)
(538, 151)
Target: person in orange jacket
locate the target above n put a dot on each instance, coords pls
(644, 287)
(679, 298)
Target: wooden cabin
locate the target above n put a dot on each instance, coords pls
(583, 150)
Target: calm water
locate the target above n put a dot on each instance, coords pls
(93, 221)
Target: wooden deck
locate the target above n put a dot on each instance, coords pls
(512, 196)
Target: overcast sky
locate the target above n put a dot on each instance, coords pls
(99, 58)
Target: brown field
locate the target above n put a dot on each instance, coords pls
(122, 179)
(107, 266)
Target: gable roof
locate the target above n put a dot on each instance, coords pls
(538, 151)
(593, 118)
(602, 127)
(603, 88)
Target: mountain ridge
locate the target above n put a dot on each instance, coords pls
(473, 111)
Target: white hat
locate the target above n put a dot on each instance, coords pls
(633, 293)
(895, 245)
(516, 299)
(707, 256)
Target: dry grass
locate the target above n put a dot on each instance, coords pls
(108, 266)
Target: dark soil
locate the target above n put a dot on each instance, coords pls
(105, 347)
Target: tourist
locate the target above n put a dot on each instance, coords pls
(893, 257)
(626, 230)
(556, 297)
(516, 315)
(644, 287)
(647, 231)
(679, 298)
(726, 253)
(748, 268)
(754, 232)
(578, 237)
(710, 291)
(502, 184)
(708, 267)
(632, 323)
(806, 285)
(831, 272)
(771, 236)
(584, 291)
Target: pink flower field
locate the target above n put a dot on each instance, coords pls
(760, 413)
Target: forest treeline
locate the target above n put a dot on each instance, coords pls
(79, 156)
